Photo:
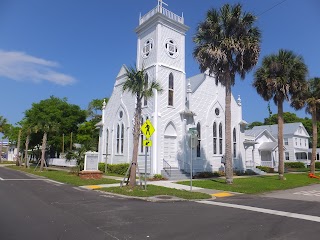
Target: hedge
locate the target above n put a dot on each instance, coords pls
(318, 165)
(266, 169)
(294, 165)
(120, 169)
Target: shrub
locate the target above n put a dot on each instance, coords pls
(318, 165)
(120, 169)
(157, 177)
(102, 167)
(266, 169)
(294, 165)
(204, 175)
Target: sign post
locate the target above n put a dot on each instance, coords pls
(147, 129)
(193, 143)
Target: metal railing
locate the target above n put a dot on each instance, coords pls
(166, 167)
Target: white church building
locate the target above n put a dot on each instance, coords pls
(195, 102)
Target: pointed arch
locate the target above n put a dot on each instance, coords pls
(215, 135)
(199, 139)
(234, 137)
(170, 130)
(220, 138)
(170, 90)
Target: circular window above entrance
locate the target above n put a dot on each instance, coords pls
(217, 111)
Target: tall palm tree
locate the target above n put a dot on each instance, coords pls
(281, 77)
(135, 84)
(227, 43)
(312, 100)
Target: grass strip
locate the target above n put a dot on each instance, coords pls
(65, 177)
(254, 185)
(155, 191)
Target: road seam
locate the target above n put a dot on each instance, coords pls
(264, 210)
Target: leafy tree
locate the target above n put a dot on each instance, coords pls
(52, 116)
(3, 124)
(281, 77)
(94, 109)
(253, 124)
(227, 43)
(288, 117)
(135, 84)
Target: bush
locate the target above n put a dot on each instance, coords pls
(294, 165)
(266, 169)
(318, 165)
(102, 167)
(205, 175)
(120, 169)
(157, 177)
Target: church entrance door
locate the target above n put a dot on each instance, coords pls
(170, 151)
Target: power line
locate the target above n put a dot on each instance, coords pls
(272, 7)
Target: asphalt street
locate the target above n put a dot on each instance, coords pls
(34, 208)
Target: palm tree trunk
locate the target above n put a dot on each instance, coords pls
(280, 140)
(18, 149)
(1, 146)
(314, 141)
(43, 150)
(228, 150)
(136, 134)
(26, 162)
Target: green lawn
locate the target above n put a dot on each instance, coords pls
(258, 184)
(156, 190)
(65, 177)
(7, 162)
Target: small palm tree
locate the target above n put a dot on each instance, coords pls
(135, 84)
(227, 43)
(311, 98)
(281, 77)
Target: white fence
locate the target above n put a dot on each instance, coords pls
(62, 162)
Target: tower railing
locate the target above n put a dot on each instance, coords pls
(164, 11)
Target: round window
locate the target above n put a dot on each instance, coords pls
(217, 111)
(120, 114)
(171, 48)
(147, 47)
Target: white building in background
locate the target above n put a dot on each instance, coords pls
(197, 102)
(295, 140)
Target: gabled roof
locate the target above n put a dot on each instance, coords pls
(268, 146)
(196, 81)
(123, 71)
(257, 132)
(288, 128)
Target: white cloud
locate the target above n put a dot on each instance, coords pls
(22, 67)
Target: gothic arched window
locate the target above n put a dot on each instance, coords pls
(214, 131)
(234, 143)
(220, 138)
(170, 91)
(146, 79)
(199, 140)
(122, 138)
(118, 137)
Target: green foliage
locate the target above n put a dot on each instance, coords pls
(317, 165)
(205, 174)
(101, 167)
(94, 109)
(253, 124)
(266, 169)
(294, 165)
(157, 177)
(120, 169)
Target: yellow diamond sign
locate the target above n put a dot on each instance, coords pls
(147, 143)
(147, 129)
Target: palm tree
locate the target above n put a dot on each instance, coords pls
(312, 100)
(227, 44)
(135, 84)
(281, 77)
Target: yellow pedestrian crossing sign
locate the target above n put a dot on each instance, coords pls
(147, 143)
(147, 129)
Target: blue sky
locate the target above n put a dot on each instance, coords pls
(75, 48)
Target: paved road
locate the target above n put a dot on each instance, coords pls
(33, 208)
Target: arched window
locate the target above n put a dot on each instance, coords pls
(199, 139)
(146, 79)
(170, 91)
(234, 143)
(118, 137)
(220, 138)
(141, 137)
(214, 131)
(122, 137)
